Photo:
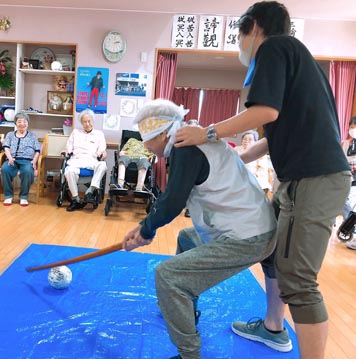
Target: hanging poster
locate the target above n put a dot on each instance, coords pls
(130, 84)
(211, 30)
(231, 42)
(185, 31)
(297, 28)
(92, 89)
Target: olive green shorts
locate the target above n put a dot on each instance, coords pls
(306, 210)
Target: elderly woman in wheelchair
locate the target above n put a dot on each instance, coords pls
(132, 178)
(134, 152)
(86, 149)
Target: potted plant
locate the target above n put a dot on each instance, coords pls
(6, 78)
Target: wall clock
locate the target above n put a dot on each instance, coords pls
(114, 46)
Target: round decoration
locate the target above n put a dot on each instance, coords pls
(9, 114)
(41, 53)
(114, 46)
(56, 66)
(61, 83)
(112, 122)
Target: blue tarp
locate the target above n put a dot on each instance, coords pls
(110, 311)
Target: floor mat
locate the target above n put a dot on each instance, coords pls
(110, 311)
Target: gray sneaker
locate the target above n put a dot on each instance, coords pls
(255, 330)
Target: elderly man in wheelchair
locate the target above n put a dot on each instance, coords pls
(86, 150)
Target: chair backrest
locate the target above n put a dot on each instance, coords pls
(2, 136)
(54, 144)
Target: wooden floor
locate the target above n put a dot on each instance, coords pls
(45, 223)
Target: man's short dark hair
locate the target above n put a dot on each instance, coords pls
(271, 16)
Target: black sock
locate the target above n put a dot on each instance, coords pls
(272, 331)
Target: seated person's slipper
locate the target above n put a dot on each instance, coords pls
(8, 202)
(23, 202)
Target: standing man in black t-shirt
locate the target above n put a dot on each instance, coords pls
(291, 98)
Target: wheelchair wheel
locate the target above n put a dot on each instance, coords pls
(97, 198)
(59, 201)
(107, 207)
(344, 237)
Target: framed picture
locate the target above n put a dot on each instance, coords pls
(66, 61)
(60, 103)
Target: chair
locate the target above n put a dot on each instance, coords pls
(35, 187)
(128, 193)
(53, 147)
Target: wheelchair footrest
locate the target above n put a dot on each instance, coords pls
(142, 194)
(118, 192)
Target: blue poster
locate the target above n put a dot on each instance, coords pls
(92, 89)
(130, 84)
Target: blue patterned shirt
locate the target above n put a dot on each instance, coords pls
(22, 147)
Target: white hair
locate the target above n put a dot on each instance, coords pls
(87, 112)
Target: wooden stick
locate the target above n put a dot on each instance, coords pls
(98, 253)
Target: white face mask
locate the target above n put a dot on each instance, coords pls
(245, 56)
(352, 132)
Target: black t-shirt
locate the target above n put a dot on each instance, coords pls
(305, 139)
(188, 167)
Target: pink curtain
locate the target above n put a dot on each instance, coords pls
(166, 75)
(218, 105)
(165, 79)
(343, 81)
(189, 98)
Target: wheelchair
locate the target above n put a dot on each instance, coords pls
(347, 228)
(85, 177)
(128, 194)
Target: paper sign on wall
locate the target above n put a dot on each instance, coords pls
(185, 30)
(297, 28)
(111, 122)
(92, 84)
(211, 31)
(231, 42)
(128, 107)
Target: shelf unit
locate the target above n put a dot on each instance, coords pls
(6, 127)
(32, 87)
